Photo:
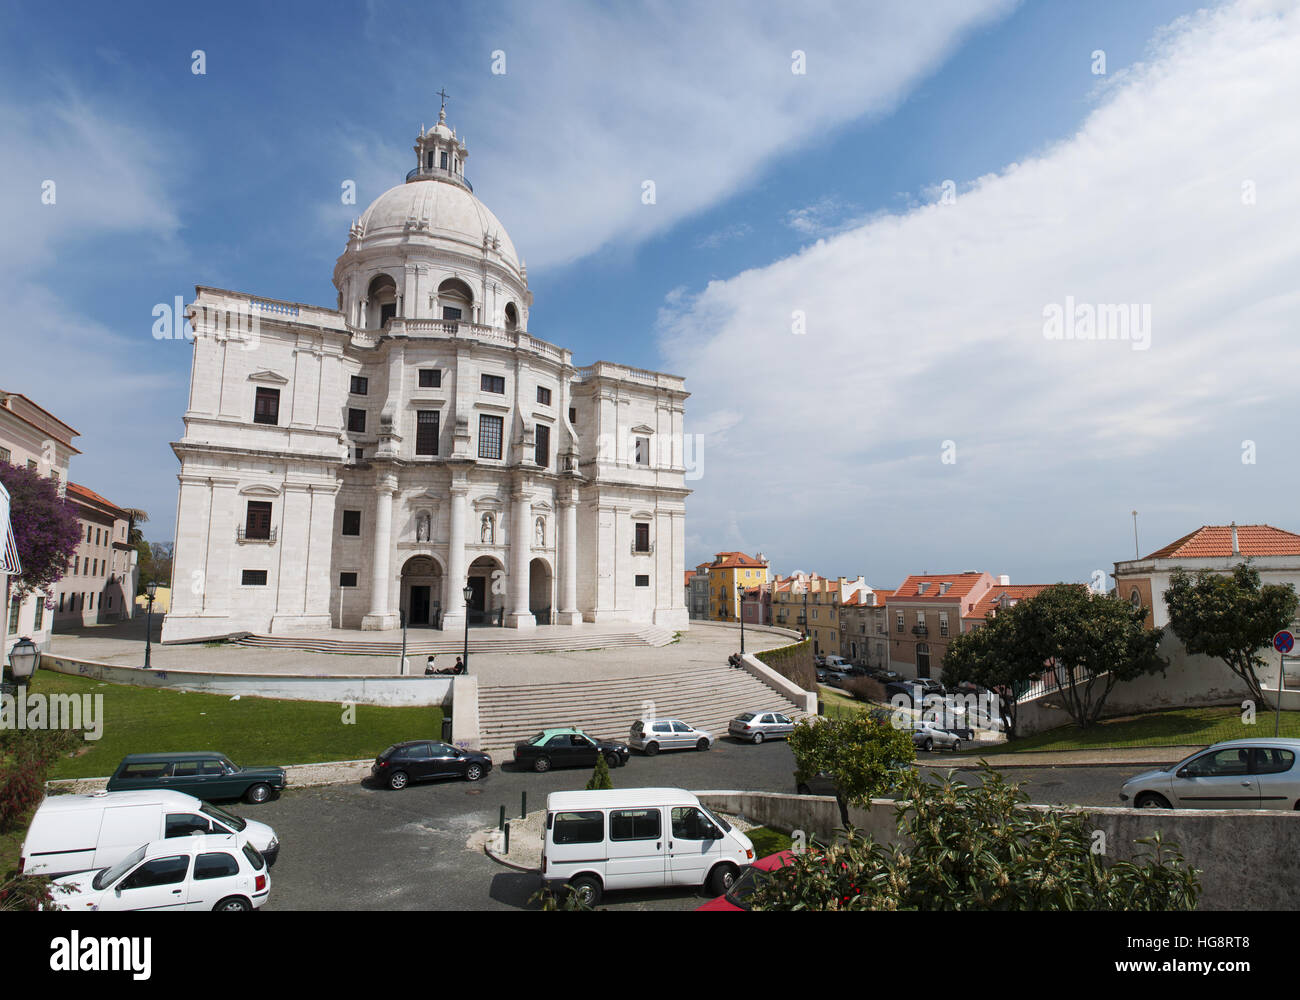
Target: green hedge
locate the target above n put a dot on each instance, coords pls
(793, 662)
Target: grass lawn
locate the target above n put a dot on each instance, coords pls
(250, 731)
(768, 841)
(837, 704)
(1176, 727)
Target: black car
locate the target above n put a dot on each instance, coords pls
(423, 760)
(568, 748)
(883, 675)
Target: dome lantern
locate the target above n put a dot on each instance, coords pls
(440, 156)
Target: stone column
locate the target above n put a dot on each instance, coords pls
(569, 613)
(453, 601)
(380, 616)
(521, 540)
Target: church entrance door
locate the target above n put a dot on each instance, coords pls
(419, 606)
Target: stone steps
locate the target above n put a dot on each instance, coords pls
(480, 641)
(708, 698)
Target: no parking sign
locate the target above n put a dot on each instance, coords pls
(1284, 642)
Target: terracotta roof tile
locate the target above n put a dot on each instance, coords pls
(992, 600)
(1215, 540)
(80, 491)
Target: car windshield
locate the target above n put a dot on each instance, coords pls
(743, 887)
(744, 716)
(230, 768)
(538, 740)
(388, 753)
(110, 875)
(717, 819)
(234, 822)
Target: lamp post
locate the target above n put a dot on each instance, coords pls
(23, 658)
(805, 612)
(740, 607)
(467, 593)
(151, 589)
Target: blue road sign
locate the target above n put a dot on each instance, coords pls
(1284, 641)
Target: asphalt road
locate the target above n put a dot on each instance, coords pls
(352, 847)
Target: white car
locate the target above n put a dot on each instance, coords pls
(651, 736)
(199, 872)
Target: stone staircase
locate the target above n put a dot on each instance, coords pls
(481, 640)
(707, 697)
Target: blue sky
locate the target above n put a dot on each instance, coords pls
(774, 191)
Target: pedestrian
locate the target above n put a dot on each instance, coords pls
(428, 667)
(459, 668)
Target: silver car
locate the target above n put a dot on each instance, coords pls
(759, 726)
(1258, 773)
(652, 735)
(926, 736)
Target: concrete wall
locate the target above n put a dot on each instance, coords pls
(464, 712)
(361, 690)
(1247, 859)
(806, 700)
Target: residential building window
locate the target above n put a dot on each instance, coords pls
(347, 579)
(5, 455)
(40, 613)
(943, 623)
(257, 522)
(642, 536)
(352, 522)
(92, 601)
(31, 465)
(643, 451)
(643, 580)
(430, 378)
(61, 597)
(89, 529)
(266, 410)
(900, 621)
(544, 395)
(489, 436)
(542, 446)
(254, 578)
(492, 383)
(357, 421)
(426, 432)
(76, 565)
(360, 385)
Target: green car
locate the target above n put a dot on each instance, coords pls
(206, 775)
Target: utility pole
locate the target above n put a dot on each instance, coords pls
(1137, 553)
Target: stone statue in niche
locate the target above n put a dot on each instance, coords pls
(422, 528)
(488, 534)
(540, 539)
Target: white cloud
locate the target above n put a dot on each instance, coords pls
(928, 326)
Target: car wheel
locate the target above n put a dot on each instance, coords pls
(612, 760)
(258, 793)
(803, 790)
(397, 780)
(758, 738)
(474, 772)
(928, 745)
(651, 749)
(721, 879)
(586, 888)
(703, 744)
(233, 904)
(956, 745)
(542, 764)
(1150, 800)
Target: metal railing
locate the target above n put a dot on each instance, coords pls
(242, 536)
(438, 173)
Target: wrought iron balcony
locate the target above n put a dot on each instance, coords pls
(643, 552)
(438, 173)
(920, 630)
(244, 538)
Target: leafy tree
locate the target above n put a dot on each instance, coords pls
(25, 758)
(1094, 641)
(46, 529)
(995, 656)
(860, 753)
(978, 848)
(154, 560)
(1230, 617)
(600, 776)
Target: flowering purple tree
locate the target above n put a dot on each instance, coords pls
(46, 529)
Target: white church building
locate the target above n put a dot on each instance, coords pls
(343, 467)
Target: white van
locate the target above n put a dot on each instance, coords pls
(77, 833)
(639, 838)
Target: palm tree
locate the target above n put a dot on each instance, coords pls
(136, 516)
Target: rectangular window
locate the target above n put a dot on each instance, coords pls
(426, 432)
(5, 455)
(92, 601)
(61, 597)
(573, 414)
(40, 613)
(542, 446)
(358, 454)
(578, 828)
(450, 314)
(493, 383)
(266, 410)
(254, 578)
(357, 421)
(360, 385)
(76, 565)
(943, 623)
(430, 378)
(31, 465)
(642, 536)
(386, 312)
(543, 396)
(643, 451)
(352, 522)
(489, 436)
(347, 579)
(900, 621)
(635, 824)
(257, 523)
(444, 160)
(89, 529)
(643, 579)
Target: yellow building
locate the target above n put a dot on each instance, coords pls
(162, 601)
(728, 571)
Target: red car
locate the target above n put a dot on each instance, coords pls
(737, 896)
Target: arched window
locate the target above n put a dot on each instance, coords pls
(456, 299)
(1135, 598)
(381, 299)
(512, 317)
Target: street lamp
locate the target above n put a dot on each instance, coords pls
(468, 594)
(151, 589)
(23, 659)
(740, 605)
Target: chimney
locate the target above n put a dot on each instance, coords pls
(1005, 581)
(1236, 550)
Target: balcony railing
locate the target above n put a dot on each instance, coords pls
(649, 550)
(920, 630)
(438, 173)
(244, 538)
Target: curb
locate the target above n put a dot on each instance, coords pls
(1066, 762)
(487, 849)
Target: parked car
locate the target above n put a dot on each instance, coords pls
(568, 748)
(1256, 773)
(737, 897)
(926, 736)
(651, 736)
(76, 833)
(759, 726)
(423, 760)
(823, 784)
(883, 675)
(203, 872)
(638, 838)
(206, 775)
(836, 663)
